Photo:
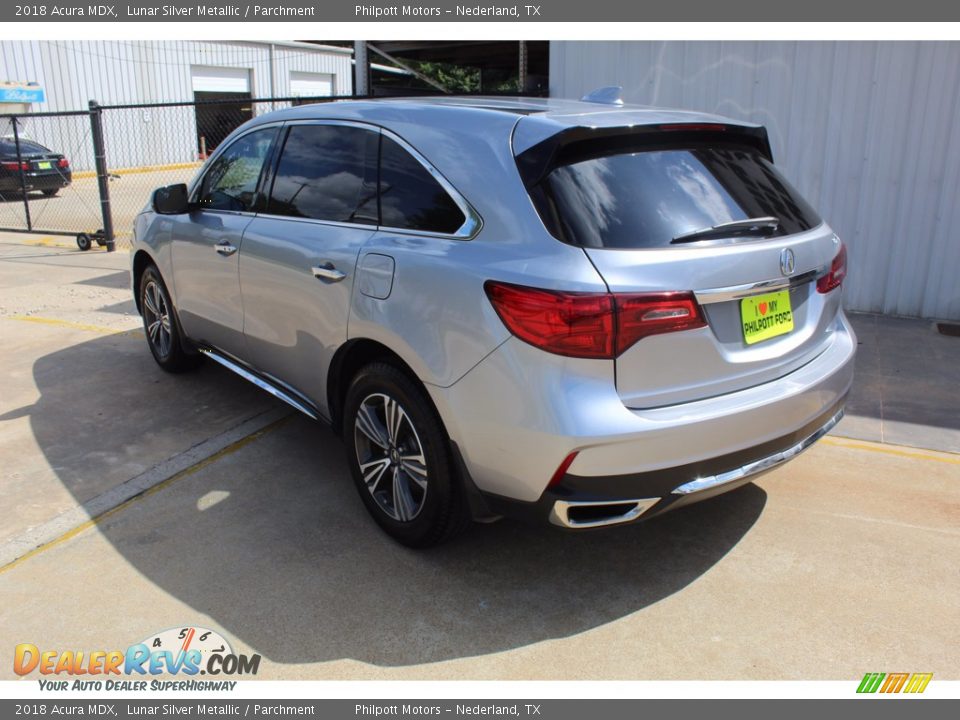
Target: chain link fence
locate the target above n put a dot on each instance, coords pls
(88, 173)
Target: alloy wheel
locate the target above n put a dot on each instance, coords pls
(156, 318)
(391, 457)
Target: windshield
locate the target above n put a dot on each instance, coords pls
(646, 199)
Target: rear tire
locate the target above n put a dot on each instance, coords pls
(51, 192)
(399, 456)
(84, 242)
(162, 328)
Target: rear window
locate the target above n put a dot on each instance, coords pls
(326, 173)
(8, 147)
(645, 199)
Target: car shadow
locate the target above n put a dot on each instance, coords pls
(273, 544)
(119, 280)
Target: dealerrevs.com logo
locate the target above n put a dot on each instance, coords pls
(186, 651)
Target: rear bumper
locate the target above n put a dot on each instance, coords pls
(578, 503)
(36, 182)
(518, 414)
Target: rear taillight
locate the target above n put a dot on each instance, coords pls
(838, 271)
(590, 325)
(639, 316)
(63, 163)
(571, 324)
(15, 166)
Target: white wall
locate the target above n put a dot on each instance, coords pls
(117, 72)
(868, 131)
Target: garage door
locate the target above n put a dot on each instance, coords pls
(304, 84)
(206, 78)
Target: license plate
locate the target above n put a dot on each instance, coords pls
(44, 166)
(766, 316)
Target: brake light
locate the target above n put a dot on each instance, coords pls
(15, 166)
(63, 163)
(696, 127)
(590, 325)
(838, 271)
(571, 324)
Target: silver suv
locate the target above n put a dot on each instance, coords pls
(572, 312)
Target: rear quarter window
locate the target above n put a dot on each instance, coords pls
(410, 197)
(645, 199)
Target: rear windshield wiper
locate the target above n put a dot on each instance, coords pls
(734, 228)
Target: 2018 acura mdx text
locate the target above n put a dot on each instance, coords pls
(574, 312)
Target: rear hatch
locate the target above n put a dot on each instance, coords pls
(698, 209)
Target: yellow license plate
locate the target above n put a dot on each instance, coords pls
(44, 165)
(766, 316)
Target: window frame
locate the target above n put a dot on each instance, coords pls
(467, 231)
(268, 161)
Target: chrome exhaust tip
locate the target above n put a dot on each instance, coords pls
(580, 515)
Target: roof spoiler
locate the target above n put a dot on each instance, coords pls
(580, 143)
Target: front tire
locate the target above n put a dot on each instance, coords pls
(161, 326)
(399, 457)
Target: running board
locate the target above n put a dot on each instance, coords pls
(261, 383)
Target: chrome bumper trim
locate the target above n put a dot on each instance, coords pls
(738, 292)
(758, 466)
(560, 513)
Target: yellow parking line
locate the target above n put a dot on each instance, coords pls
(186, 472)
(898, 451)
(48, 241)
(73, 325)
(136, 170)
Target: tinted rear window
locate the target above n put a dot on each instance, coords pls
(8, 147)
(327, 172)
(645, 199)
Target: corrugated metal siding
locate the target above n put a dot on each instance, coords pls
(868, 131)
(115, 72)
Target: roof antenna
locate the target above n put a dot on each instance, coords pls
(605, 96)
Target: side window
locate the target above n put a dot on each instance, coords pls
(410, 197)
(327, 172)
(231, 182)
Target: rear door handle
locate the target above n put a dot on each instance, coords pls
(225, 248)
(327, 272)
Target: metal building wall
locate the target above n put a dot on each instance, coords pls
(868, 131)
(116, 72)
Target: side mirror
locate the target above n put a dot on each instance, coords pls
(171, 200)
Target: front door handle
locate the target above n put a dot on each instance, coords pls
(225, 248)
(327, 272)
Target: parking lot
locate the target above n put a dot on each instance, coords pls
(138, 501)
(76, 207)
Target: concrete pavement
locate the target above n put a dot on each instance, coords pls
(841, 562)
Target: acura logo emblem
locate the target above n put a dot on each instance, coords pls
(787, 261)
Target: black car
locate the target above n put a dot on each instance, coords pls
(43, 169)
